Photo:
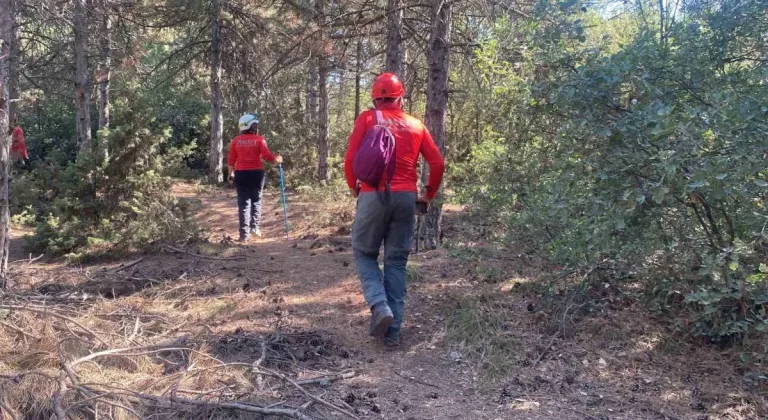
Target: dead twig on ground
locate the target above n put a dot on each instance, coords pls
(128, 352)
(46, 311)
(206, 257)
(307, 393)
(19, 330)
(420, 382)
(4, 409)
(328, 378)
(291, 413)
(126, 266)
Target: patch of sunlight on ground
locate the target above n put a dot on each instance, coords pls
(646, 342)
(520, 404)
(672, 396)
(508, 285)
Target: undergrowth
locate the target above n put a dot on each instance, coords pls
(100, 206)
(481, 329)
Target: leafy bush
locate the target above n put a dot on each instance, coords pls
(652, 154)
(106, 205)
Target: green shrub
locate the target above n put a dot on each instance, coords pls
(623, 146)
(98, 205)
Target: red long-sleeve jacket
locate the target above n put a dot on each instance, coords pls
(247, 151)
(411, 138)
(18, 144)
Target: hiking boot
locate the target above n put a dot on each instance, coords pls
(381, 319)
(392, 338)
(244, 238)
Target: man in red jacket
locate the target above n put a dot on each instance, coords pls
(246, 171)
(389, 221)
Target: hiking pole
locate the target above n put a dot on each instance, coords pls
(282, 193)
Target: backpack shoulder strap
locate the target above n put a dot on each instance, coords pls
(379, 116)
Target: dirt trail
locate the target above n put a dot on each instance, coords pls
(317, 289)
(616, 364)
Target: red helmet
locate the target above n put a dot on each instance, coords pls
(387, 85)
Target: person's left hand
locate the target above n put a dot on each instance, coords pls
(231, 178)
(426, 201)
(279, 159)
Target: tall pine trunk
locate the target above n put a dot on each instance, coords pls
(105, 75)
(358, 75)
(323, 121)
(82, 86)
(215, 159)
(13, 61)
(437, 101)
(322, 89)
(6, 30)
(312, 95)
(394, 62)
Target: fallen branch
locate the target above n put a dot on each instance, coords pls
(295, 414)
(45, 311)
(4, 409)
(29, 260)
(325, 378)
(126, 266)
(184, 251)
(307, 393)
(420, 382)
(19, 330)
(127, 352)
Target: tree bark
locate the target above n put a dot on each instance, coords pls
(312, 95)
(105, 74)
(82, 86)
(394, 62)
(6, 30)
(324, 102)
(437, 100)
(13, 61)
(341, 102)
(215, 159)
(358, 75)
(322, 126)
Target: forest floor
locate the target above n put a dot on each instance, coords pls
(477, 343)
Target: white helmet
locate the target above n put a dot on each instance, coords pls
(247, 120)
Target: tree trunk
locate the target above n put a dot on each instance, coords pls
(322, 126)
(312, 95)
(82, 87)
(13, 62)
(322, 90)
(215, 161)
(343, 88)
(105, 75)
(437, 100)
(394, 63)
(244, 94)
(358, 75)
(6, 30)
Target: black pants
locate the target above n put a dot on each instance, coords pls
(250, 186)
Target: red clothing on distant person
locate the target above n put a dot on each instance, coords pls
(411, 138)
(247, 151)
(18, 144)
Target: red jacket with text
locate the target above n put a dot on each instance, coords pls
(247, 152)
(411, 139)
